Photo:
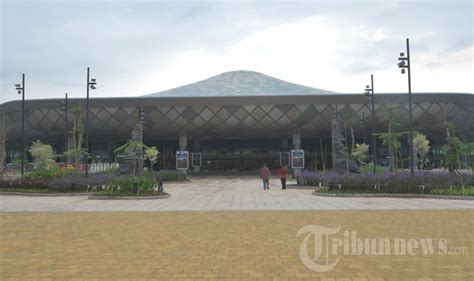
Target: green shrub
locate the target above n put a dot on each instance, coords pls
(370, 169)
(132, 185)
(168, 175)
(52, 172)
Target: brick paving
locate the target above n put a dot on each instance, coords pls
(222, 245)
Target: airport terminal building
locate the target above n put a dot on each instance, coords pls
(237, 120)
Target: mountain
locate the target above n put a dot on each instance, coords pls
(240, 83)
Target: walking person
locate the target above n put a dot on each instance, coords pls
(265, 175)
(283, 172)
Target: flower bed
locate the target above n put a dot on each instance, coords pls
(68, 183)
(420, 183)
(25, 184)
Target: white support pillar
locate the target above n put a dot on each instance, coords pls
(296, 140)
(196, 149)
(297, 145)
(183, 146)
(183, 142)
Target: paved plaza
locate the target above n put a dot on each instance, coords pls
(221, 193)
(228, 229)
(230, 245)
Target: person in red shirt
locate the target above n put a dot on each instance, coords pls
(265, 175)
(283, 172)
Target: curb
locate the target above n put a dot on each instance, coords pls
(107, 197)
(394, 195)
(32, 194)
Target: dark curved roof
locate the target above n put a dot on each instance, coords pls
(240, 83)
(235, 117)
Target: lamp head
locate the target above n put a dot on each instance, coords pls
(402, 64)
(93, 87)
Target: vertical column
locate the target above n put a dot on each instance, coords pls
(183, 145)
(297, 145)
(183, 142)
(296, 140)
(196, 149)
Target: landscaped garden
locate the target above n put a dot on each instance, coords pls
(422, 182)
(353, 168)
(48, 177)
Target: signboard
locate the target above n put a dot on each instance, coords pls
(297, 159)
(182, 160)
(284, 159)
(196, 159)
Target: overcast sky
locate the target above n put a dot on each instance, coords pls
(141, 47)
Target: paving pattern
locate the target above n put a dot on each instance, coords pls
(230, 245)
(238, 193)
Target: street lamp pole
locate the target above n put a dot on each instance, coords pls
(369, 91)
(91, 82)
(21, 91)
(405, 63)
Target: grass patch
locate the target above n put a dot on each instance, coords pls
(455, 191)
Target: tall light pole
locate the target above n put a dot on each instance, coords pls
(369, 92)
(404, 63)
(91, 82)
(21, 91)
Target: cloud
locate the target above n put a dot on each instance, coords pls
(326, 53)
(144, 47)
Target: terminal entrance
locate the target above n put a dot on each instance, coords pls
(239, 155)
(229, 155)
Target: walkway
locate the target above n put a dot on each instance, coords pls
(206, 194)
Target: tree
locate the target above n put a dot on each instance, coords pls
(77, 136)
(361, 153)
(42, 155)
(392, 138)
(422, 146)
(151, 153)
(131, 148)
(349, 121)
(452, 148)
